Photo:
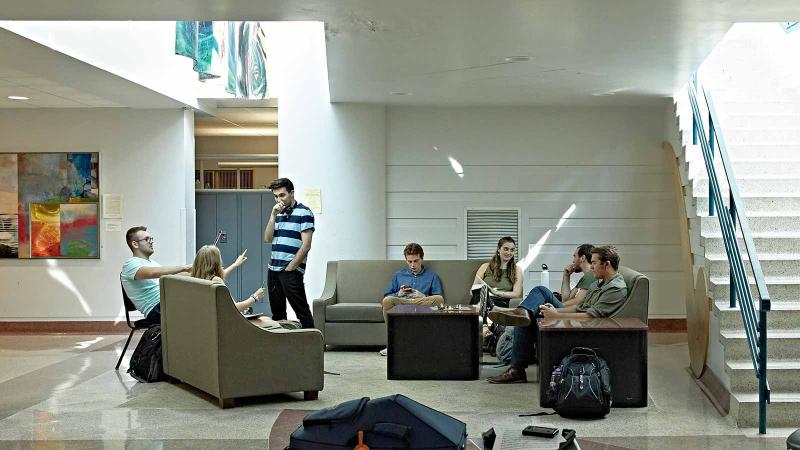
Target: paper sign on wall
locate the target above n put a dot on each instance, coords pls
(112, 206)
(313, 199)
(113, 225)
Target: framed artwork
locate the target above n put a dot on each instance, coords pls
(49, 205)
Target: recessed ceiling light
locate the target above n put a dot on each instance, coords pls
(518, 58)
(401, 93)
(17, 97)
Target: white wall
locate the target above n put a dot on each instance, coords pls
(338, 148)
(607, 161)
(146, 155)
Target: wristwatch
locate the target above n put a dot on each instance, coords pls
(255, 300)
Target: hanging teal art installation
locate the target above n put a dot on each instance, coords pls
(234, 51)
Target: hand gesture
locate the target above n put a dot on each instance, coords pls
(259, 294)
(548, 311)
(277, 208)
(241, 259)
(568, 269)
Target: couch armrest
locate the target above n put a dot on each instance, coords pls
(328, 296)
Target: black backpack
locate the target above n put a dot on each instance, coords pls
(146, 365)
(392, 422)
(581, 385)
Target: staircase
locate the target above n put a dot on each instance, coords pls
(758, 101)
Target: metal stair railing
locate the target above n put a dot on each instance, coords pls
(755, 322)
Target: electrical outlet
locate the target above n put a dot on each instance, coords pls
(224, 238)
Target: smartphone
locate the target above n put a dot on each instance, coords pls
(545, 432)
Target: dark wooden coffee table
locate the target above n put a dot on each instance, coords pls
(430, 344)
(622, 342)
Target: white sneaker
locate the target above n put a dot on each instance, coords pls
(384, 352)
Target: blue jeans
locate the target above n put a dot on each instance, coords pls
(525, 337)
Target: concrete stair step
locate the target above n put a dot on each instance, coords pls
(782, 316)
(761, 136)
(756, 106)
(783, 246)
(758, 205)
(781, 344)
(750, 151)
(752, 94)
(789, 267)
(786, 289)
(752, 186)
(782, 375)
(750, 169)
(762, 121)
(782, 411)
(760, 226)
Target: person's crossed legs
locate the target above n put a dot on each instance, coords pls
(390, 302)
(525, 333)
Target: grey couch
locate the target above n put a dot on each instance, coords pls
(208, 344)
(349, 311)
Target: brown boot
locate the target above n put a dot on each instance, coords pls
(516, 317)
(511, 375)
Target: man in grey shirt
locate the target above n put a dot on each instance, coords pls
(603, 299)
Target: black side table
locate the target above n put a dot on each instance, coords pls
(426, 343)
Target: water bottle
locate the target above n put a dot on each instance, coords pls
(545, 277)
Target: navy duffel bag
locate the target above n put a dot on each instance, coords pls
(392, 422)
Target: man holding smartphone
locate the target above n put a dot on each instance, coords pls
(289, 230)
(414, 285)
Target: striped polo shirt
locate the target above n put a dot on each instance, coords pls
(286, 241)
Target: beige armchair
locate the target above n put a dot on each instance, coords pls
(208, 344)
(638, 300)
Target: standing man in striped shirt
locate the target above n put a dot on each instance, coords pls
(290, 227)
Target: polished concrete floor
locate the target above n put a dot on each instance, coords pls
(61, 391)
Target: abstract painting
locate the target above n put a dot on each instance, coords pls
(45, 230)
(55, 198)
(67, 230)
(78, 226)
(9, 229)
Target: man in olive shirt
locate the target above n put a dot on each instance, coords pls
(603, 299)
(580, 264)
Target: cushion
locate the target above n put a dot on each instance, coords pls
(364, 281)
(354, 312)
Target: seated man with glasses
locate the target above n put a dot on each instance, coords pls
(140, 274)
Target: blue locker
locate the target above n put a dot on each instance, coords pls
(251, 233)
(243, 217)
(228, 221)
(206, 204)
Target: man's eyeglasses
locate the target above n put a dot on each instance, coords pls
(149, 239)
